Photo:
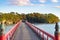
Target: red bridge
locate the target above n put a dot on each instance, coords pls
(27, 31)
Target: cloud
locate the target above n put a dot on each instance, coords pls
(42, 4)
(42, 1)
(57, 6)
(25, 2)
(54, 1)
(20, 2)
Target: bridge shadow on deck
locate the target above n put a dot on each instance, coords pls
(25, 33)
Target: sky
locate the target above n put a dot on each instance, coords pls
(30, 6)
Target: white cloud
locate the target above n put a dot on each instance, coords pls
(20, 2)
(25, 2)
(42, 4)
(57, 6)
(42, 1)
(54, 0)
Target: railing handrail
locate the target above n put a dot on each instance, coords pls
(11, 32)
(45, 32)
(40, 30)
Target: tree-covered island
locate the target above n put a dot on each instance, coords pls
(14, 17)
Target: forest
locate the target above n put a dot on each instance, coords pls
(14, 17)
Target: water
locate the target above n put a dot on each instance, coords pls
(49, 28)
(7, 28)
(59, 26)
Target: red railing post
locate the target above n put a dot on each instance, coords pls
(47, 37)
(56, 31)
(42, 36)
(2, 37)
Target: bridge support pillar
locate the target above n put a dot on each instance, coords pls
(56, 32)
(2, 37)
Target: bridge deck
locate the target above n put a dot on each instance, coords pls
(25, 33)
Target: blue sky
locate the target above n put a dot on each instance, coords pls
(28, 6)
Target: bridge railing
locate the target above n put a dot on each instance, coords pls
(44, 35)
(10, 34)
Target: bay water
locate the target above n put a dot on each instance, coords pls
(49, 28)
(7, 28)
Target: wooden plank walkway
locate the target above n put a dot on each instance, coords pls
(25, 33)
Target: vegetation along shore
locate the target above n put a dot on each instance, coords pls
(14, 17)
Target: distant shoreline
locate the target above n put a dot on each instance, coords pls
(12, 18)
